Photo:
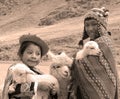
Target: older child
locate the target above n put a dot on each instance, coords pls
(95, 77)
(95, 27)
(31, 50)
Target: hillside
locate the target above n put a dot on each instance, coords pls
(26, 14)
(21, 14)
(64, 31)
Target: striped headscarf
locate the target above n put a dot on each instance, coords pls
(101, 15)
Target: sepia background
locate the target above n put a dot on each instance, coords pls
(58, 22)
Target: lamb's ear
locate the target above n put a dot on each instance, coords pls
(87, 47)
(11, 69)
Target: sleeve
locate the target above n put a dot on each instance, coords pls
(73, 85)
(7, 82)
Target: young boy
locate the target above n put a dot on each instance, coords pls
(31, 51)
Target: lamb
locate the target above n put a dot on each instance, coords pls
(21, 74)
(90, 48)
(61, 58)
(60, 69)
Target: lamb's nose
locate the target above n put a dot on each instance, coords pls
(99, 53)
(66, 73)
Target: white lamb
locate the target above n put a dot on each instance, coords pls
(60, 69)
(90, 48)
(21, 74)
(61, 58)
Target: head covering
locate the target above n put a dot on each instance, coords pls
(99, 14)
(35, 39)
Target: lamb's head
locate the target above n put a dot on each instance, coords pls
(91, 48)
(60, 58)
(60, 70)
(20, 73)
(61, 65)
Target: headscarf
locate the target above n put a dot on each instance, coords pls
(101, 16)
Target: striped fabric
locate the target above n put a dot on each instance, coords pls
(95, 77)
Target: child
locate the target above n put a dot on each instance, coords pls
(31, 50)
(95, 27)
(95, 77)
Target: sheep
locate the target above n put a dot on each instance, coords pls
(60, 69)
(21, 74)
(90, 48)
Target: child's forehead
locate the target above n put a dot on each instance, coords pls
(91, 20)
(32, 46)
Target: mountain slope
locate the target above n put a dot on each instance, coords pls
(21, 14)
(63, 35)
(27, 15)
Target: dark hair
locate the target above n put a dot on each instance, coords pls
(23, 46)
(89, 18)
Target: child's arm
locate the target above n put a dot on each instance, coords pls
(6, 85)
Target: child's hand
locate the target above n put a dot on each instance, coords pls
(11, 89)
(80, 46)
(53, 90)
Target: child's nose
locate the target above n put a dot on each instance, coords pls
(33, 55)
(90, 28)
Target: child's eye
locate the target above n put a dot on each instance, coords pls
(94, 24)
(86, 25)
(38, 53)
(29, 52)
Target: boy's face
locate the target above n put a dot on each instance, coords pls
(31, 55)
(91, 27)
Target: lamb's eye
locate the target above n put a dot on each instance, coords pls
(92, 48)
(57, 66)
(20, 74)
